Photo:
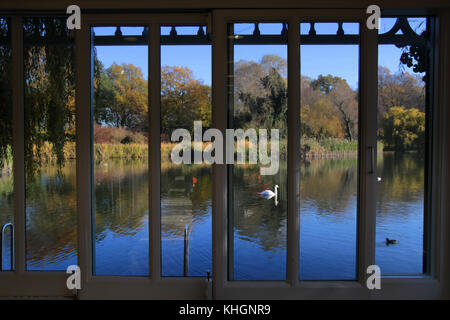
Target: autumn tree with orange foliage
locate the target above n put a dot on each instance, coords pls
(183, 100)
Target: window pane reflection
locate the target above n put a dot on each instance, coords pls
(401, 236)
(258, 203)
(329, 164)
(121, 156)
(6, 132)
(49, 144)
(185, 188)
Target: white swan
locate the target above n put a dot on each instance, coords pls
(269, 194)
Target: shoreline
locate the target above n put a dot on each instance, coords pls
(104, 152)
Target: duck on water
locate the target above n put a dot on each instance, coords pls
(391, 241)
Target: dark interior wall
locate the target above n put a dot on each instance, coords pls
(216, 4)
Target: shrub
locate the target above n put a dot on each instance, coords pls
(105, 151)
(114, 135)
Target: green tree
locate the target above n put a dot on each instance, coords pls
(251, 93)
(5, 98)
(325, 83)
(277, 87)
(104, 95)
(183, 100)
(49, 91)
(271, 108)
(129, 107)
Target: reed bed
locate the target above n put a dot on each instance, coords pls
(310, 148)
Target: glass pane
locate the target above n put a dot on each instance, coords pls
(120, 108)
(402, 153)
(6, 143)
(329, 151)
(49, 144)
(258, 184)
(185, 188)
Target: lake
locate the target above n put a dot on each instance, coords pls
(328, 219)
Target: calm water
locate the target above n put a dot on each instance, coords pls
(328, 219)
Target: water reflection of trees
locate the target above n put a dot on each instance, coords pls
(51, 214)
(328, 185)
(121, 204)
(121, 199)
(256, 219)
(185, 198)
(403, 177)
(6, 198)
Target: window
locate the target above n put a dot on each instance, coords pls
(50, 154)
(404, 100)
(185, 188)
(343, 181)
(257, 105)
(329, 120)
(6, 143)
(120, 152)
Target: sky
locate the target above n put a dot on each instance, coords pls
(315, 59)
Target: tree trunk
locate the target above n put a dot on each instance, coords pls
(349, 130)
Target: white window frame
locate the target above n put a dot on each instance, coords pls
(436, 285)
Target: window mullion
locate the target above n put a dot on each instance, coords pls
(368, 80)
(219, 121)
(154, 151)
(293, 219)
(84, 78)
(18, 143)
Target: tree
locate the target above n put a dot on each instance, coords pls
(247, 79)
(247, 82)
(325, 83)
(403, 129)
(183, 100)
(272, 61)
(320, 120)
(401, 89)
(416, 57)
(344, 99)
(104, 96)
(308, 95)
(129, 106)
(49, 91)
(271, 108)
(5, 99)
(277, 87)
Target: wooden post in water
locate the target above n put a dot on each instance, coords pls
(186, 250)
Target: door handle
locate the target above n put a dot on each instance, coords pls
(372, 159)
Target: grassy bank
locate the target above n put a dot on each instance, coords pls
(130, 151)
(330, 148)
(310, 148)
(6, 164)
(102, 152)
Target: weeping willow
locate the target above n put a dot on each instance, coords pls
(5, 97)
(49, 90)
